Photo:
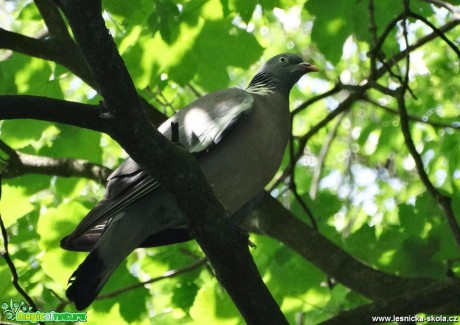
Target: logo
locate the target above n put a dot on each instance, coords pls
(22, 312)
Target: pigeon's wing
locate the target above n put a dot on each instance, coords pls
(125, 185)
(206, 121)
(201, 125)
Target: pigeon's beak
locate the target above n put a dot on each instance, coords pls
(307, 67)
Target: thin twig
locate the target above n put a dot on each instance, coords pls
(302, 141)
(293, 186)
(405, 23)
(421, 41)
(337, 87)
(413, 117)
(322, 156)
(19, 164)
(62, 302)
(166, 275)
(443, 4)
(6, 256)
(194, 90)
(373, 31)
(436, 30)
(386, 32)
(444, 201)
(360, 91)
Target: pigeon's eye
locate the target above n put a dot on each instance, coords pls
(283, 59)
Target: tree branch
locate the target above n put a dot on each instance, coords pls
(64, 53)
(437, 31)
(61, 50)
(359, 92)
(414, 118)
(52, 110)
(443, 4)
(344, 106)
(174, 168)
(421, 41)
(424, 299)
(6, 256)
(444, 201)
(167, 275)
(293, 185)
(19, 164)
(322, 156)
(311, 101)
(53, 20)
(275, 221)
(303, 140)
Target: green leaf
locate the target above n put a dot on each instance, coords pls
(133, 302)
(212, 305)
(184, 294)
(334, 23)
(168, 20)
(453, 159)
(63, 145)
(336, 20)
(244, 7)
(24, 232)
(133, 12)
(21, 133)
(59, 222)
(411, 222)
(221, 37)
(14, 204)
(6, 289)
(270, 4)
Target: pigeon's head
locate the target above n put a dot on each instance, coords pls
(281, 72)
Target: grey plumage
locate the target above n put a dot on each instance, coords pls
(238, 137)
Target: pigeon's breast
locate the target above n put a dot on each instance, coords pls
(248, 158)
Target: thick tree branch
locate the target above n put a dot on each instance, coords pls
(424, 299)
(53, 20)
(396, 294)
(19, 164)
(52, 110)
(64, 53)
(275, 221)
(62, 50)
(174, 168)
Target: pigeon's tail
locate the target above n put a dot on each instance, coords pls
(152, 220)
(116, 243)
(87, 281)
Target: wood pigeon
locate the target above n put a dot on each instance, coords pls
(238, 136)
